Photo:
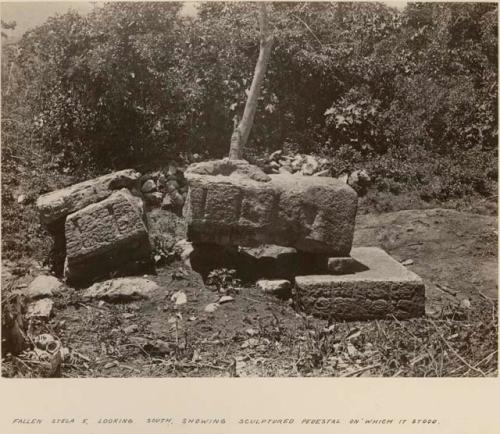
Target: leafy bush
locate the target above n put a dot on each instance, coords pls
(409, 95)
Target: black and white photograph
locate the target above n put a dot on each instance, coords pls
(249, 189)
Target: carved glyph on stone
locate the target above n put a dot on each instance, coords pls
(106, 235)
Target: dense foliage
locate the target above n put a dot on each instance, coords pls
(410, 95)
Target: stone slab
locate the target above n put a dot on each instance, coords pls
(385, 289)
(123, 289)
(105, 236)
(311, 214)
(58, 204)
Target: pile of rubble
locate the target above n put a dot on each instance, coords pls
(309, 165)
(165, 189)
(299, 164)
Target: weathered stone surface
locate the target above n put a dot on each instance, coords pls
(40, 309)
(385, 289)
(58, 204)
(123, 289)
(311, 214)
(226, 167)
(43, 286)
(278, 287)
(149, 186)
(105, 236)
(345, 265)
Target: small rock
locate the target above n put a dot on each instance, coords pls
(465, 304)
(310, 166)
(154, 198)
(192, 318)
(251, 332)
(179, 274)
(40, 309)
(172, 169)
(122, 289)
(184, 249)
(130, 329)
(276, 155)
(128, 315)
(279, 287)
(110, 365)
(161, 182)
(323, 163)
(285, 169)
(274, 165)
(297, 163)
(225, 299)
(250, 343)
(407, 262)
(212, 307)
(43, 286)
(179, 298)
(352, 351)
(172, 185)
(21, 199)
(167, 202)
(149, 186)
(359, 180)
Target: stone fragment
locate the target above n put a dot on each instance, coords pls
(40, 308)
(123, 289)
(179, 298)
(130, 329)
(278, 287)
(106, 236)
(359, 180)
(172, 185)
(167, 202)
(310, 166)
(276, 155)
(212, 307)
(161, 181)
(297, 163)
(384, 289)
(225, 299)
(149, 186)
(346, 265)
(43, 286)
(58, 204)
(154, 198)
(184, 248)
(311, 214)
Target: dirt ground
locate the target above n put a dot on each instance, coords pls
(259, 335)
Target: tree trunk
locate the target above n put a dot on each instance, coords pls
(242, 130)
